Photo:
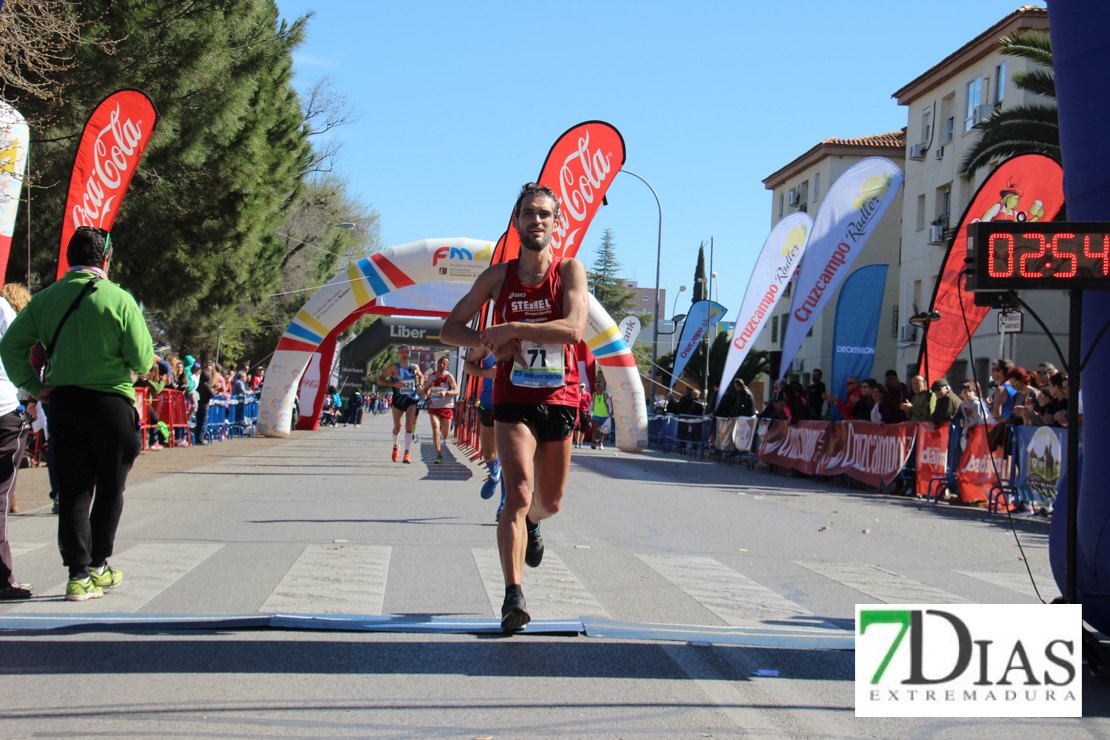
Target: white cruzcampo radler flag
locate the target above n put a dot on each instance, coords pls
(852, 207)
(774, 267)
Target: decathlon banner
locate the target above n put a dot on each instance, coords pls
(1029, 187)
(702, 318)
(13, 161)
(774, 267)
(851, 210)
(112, 144)
(579, 169)
(858, 312)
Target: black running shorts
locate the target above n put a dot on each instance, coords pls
(401, 402)
(485, 417)
(552, 423)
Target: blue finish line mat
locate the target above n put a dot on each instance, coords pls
(596, 627)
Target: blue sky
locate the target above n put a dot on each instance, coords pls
(460, 103)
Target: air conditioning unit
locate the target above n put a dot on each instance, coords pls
(939, 153)
(909, 333)
(981, 114)
(936, 234)
(917, 151)
(794, 198)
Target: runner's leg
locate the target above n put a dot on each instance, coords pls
(410, 425)
(516, 444)
(552, 466)
(436, 442)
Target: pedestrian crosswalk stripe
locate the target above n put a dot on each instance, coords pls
(333, 579)
(735, 598)
(551, 590)
(1017, 582)
(881, 585)
(22, 548)
(148, 570)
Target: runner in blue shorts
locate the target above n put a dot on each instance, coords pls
(406, 379)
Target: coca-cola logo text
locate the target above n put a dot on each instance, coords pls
(576, 195)
(114, 153)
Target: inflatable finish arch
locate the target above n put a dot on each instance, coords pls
(427, 261)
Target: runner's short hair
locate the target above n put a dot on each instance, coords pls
(88, 246)
(534, 188)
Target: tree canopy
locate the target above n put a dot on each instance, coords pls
(608, 287)
(234, 200)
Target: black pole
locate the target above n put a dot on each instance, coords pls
(1075, 319)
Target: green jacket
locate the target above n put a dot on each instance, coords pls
(102, 342)
(924, 403)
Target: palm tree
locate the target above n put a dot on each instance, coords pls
(1023, 129)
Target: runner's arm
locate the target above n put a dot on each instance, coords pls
(471, 366)
(455, 331)
(385, 378)
(454, 390)
(567, 330)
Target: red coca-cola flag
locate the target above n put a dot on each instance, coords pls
(113, 142)
(579, 169)
(977, 473)
(1028, 187)
(932, 454)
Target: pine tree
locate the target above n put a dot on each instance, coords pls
(195, 234)
(606, 284)
(699, 277)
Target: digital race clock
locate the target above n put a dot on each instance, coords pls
(1012, 255)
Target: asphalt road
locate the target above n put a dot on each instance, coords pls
(326, 524)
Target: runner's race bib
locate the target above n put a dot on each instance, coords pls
(545, 366)
(408, 387)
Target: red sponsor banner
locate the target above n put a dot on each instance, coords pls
(800, 446)
(870, 453)
(932, 454)
(977, 475)
(113, 142)
(579, 169)
(1029, 187)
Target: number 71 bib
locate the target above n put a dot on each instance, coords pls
(545, 366)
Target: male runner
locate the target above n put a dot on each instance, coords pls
(440, 388)
(481, 364)
(405, 377)
(540, 306)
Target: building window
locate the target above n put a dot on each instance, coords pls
(926, 125)
(644, 298)
(948, 114)
(782, 326)
(816, 185)
(782, 200)
(921, 212)
(786, 293)
(774, 329)
(974, 97)
(999, 84)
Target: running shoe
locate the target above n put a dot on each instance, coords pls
(533, 556)
(439, 459)
(497, 516)
(406, 459)
(396, 454)
(490, 487)
(82, 590)
(514, 614)
(109, 577)
(16, 591)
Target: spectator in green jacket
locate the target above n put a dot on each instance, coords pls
(920, 407)
(948, 403)
(95, 337)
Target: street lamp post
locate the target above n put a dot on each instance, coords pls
(658, 262)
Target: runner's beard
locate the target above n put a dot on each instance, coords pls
(533, 245)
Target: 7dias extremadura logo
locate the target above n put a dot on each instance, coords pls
(969, 660)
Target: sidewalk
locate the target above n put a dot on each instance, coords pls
(32, 487)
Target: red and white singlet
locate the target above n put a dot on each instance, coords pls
(551, 376)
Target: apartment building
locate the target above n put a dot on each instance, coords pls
(946, 105)
(643, 299)
(799, 186)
